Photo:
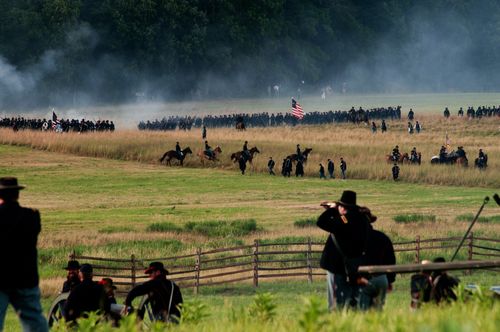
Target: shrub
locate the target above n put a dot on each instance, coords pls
(193, 312)
(302, 223)
(263, 307)
(483, 219)
(408, 218)
(163, 227)
(222, 228)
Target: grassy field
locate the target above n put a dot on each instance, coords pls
(101, 194)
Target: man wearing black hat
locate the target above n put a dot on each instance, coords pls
(164, 294)
(72, 279)
(349, 228)
(19, 229)
(88, 296)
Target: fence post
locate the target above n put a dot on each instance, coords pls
(133, 269)
(256, 264)
(417, 248)
(72, 256)
(471, 248)
(197, 268)
(309, 265)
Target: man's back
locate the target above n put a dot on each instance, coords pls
(19, 229)
(86, 297)
(160, 294)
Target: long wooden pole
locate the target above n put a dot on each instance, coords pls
(412, 268)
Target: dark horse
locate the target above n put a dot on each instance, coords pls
(169, 155)
(481, 163)
(293, 157)
(451, 159)
(240, 126)
(236, 156)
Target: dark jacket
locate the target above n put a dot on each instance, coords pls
(86, 297)
(19, 229)
(330, 166)
(159, 291)
(70, 284)
(380, 251)
(352, 236)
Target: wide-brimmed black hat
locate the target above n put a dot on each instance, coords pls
(73, 265)
(347, 199)
(10, 183)
(156, 266)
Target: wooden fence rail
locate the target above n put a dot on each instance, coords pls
(265, 260)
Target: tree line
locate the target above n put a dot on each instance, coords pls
(114, 50)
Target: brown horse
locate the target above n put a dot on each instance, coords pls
(240, 126)
(236, 156)
(305, 154)
(169, 155)
(403, 158)
(203, 156)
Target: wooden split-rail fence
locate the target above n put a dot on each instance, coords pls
(264, 260)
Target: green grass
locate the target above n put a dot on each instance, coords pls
(408, 218)
(483, 219)
(307, 222)
(222, 228)
(163, 227)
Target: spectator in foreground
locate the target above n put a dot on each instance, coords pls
(19, 229)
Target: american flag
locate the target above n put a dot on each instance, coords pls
(55, 122)
(297, 110)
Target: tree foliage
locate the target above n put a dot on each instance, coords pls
(183, 48)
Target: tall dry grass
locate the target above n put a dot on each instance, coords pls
(364, 152)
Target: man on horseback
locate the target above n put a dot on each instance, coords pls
(442, 154)
(245, 153)
(208, 151)
(178, 150)
(414, 155)
(460, 153)
(299, 153)
(395, 153)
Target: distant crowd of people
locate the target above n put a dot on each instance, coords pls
(62, 125)
(271, 120)
(479, 112)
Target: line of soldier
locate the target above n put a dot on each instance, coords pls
(481, 111)
(271, 120)
(63, 125)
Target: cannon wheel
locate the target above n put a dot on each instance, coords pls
(56, 309)
(145, 311)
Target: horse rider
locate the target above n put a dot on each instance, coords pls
(413, 155)
(245, 152)
(178, 150)
(208, 150)
(460, 152)
(481, 155)
(299, 153)
(395, 153)
(481, 159)
(442, 154)
(383, 126)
